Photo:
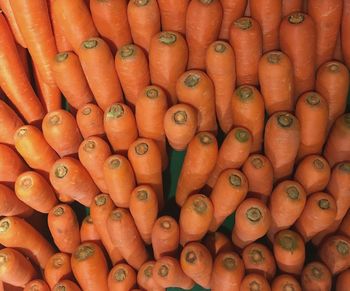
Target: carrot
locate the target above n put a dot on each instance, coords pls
(124, 234)
(11, 205)
(290, 6)
(344, 227)
(167, 272)
(57, 268)
(343, 281)
(332, 82)
(233, 152)
(195, 217)
(246, 41)
(70, 79)
(298, 42)
(69, 177)
(203, 23)
(168, 56)
(194, 173)
(150, 110)
(316, 276)
(143, 152)
(337, 146)
(121, 278)
(88, 231)
(217, 242)
(110, 18)
(195, 88)
(252, 221)
(320, 205)
(90, 120)
(173, 15)
(90, 267)
(13, 78)
(17, 233)
(345, 29)
(285, 282)
(10, 123)
(282, 139)
(132, 67)
(229, 191)
(228, 272)
(221, 68)
(165, 237)
(335, 253)
(37, 285)
(259, 259)
(254, 281)
(144, 20)
(145, 277)
(92, 154)
(66, 285)
(32, 146)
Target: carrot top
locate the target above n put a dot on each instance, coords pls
(243, 23)
(115, 111)
(61, 57)
(285, 120)
(296, 18)
(83, 252)
(167, 38)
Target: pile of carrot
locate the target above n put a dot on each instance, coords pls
(96, 96)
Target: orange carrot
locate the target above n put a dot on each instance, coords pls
(217, 242)
(57, 268)
(246, 41)
(88, 231)
(11, 205)
(66, 285)
(203, 23)
(38, 285)
(345, 29)
(173, 15)
(285, 283)
(289, 6)
(344, 227)
(232, 11)
(121, 278)
(221, 68)
(145, 277)
(10, 123)
(90, 120)
(254, 281)
(315, 276)
(343, 281)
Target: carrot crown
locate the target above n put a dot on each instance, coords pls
(165, 224)
(254, 286)
(293, 193)
(141, 148)
(243, 23)
(148, 272)
(127, 51)
(285, 120)
(199, 206)
(3, 259)
(4, 226)
(61, 57)
(333, 67)
(57, 263)
(88, 219)
(89, 146)
(192, 80)
(180, 117)
(288, 287)
(58, 211)
(90, 43)
(117, 215)
(274, 57)
(120, 274)
(114, 163)
(345, 167)
(115, 111)
(163, 271)
(316, 273)
(22, 132)
(86, 111)
(313, 99)
(84, 252)
(205, 139)
(242, 135)
(26, 183)
(61, 171)
(229, 263)
(318, 164)
(256, 256)
(167, 38)
(54, 119)
(142, 195)
(287, 241)
(60, 287)
(235, 180)
(152, 93)
(101, 200)
(296, 18)
(342, 248)
(244, 93)
(191, 257)
(257, 163)
(220, 47)
(254, 214)
(141, 2)
(324, 204)
(207, 2)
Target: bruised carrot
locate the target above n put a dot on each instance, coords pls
(57, 268)
(217, 242)
(344, 227)
(66, 285)
(254, 281)
(39, 285)
(315, 276)
(88, 231)
(10, 123)
(173, 15)
(345, 29)
(232, 10)
(145, 277)
(285, 282)
(11, 205)
(343, 281)
(121, 278)
(90, 120)
(289, 6)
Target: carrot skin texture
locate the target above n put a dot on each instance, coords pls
(37, 284)
(88, 231)
(289, 6)
(173, 15)
(57, 268)
(90, 121)
(232, 10)
(67, 284)
(343, 281)
(217, 242)
(11, 205)
(316, 275)
(145, 277)
(10, 121)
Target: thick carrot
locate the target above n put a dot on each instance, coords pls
(69, 177)
(232, 10)
(343, 281)
(132, 67)
(37, 285)
(124, 234)
(66, 285)
(298, 42)
(70, 79)
(285, 282)
(165, 237)
(278, 96)
(57, 268)
(221, 68)
(92, 154)
(88, 231)
(345, 29)
(194, 173)
(254, 281)
(316, 276)
(203, 23)
(90, 120)
(217, 242)
(122, 277)
(11, 205)
(90, 267)
(195, 217)
(144, 20)
(233, 152)
(173, 15)
(110, 18)
(281, 143)
(344, 227)
(168, 56)
(289, 6)
(10, 123)
(229, 191)
(145, 277)
(246, 41)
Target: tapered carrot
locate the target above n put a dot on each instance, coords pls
(195, 217)
(246, 41)
(70, 79)
(316, 276)
(145, 277)
(17, 233)
(146, 152)
(110, 18)
(88, 231)
(217, 242)
(233, 152)
(173, 15)
(69, 177)
(221, 68)
(10, 121)
(320, 205)
(90, 267)
(281, 144)
(232, 10)
(337, 147)
(254, 281)
(168, 56)
(144, 20)
(39, 285)
(90, 120)
(124, 234)
(122, 277)
(66, 285)
(298, 42)
(332, 82)
(92, 154)
(57, 268)
(343, 281)
(194, 173)
(289, 6)
(252, 221)
(203, 23)
(13, 78)
(165, 237)
(229, 191)
(228, 272)
(167, 272)
(345, 29)
(344, 227)
(285, 282)
(132, 67)
(11, 205)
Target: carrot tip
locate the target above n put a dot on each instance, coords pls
(26, 183)
(242, 135)
(117, 215)
(101, 200)
(61, 171)
(288, 287)
(114, 164)
(83, 252)
(342, 248)
(127, 51)
(205, 139)
(296, 18)
(256, 256)
(243, 23)
(235, 180)
(333, 67)
(22, 132)
(166, 224)
(89, 146)
(163, 271)
(180, 117)
(220, 47)
(141, 148)
(324, 204)
(59, 211)
(199, 206)
(142, 195)
(257, 163)
(167, 38)
(345, 167)
(57, 263)
(293, 193)
(245, 92)
(254, 214)
(285, 120)
(316, 273)
(288, 242)
(152, 93)
(3, 259)
(313, 99)
(115, 111)
(318, 164)
(90, 43)
(192, 80)
(86, 111)
(148, 272)
(120, 275)
(229, 263)
(61, 57)
(274, 57)
(191, 257)
(4, 226)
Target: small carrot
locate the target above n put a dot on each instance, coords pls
(316, 276)
(221, 68)
(144, 20)
(252, 221)
(122, 277)
(254, 281)
(88, 231)
(343, 281)
(195, 217)
(173, 15)
(11, 205)
(282, 139)
(344, 227)
(145, 277)
(57, 268)
(168, 56)
(10, 123)
(259, 259)
(217, 242)
(90, 120)
(165, 237)
(246, 41)
(228, 192)
(290, 6)
(345, 29)
(66, 285)
(90, 267)
(195, 88)
(232, 10)
(38, 285)
(285, 282)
